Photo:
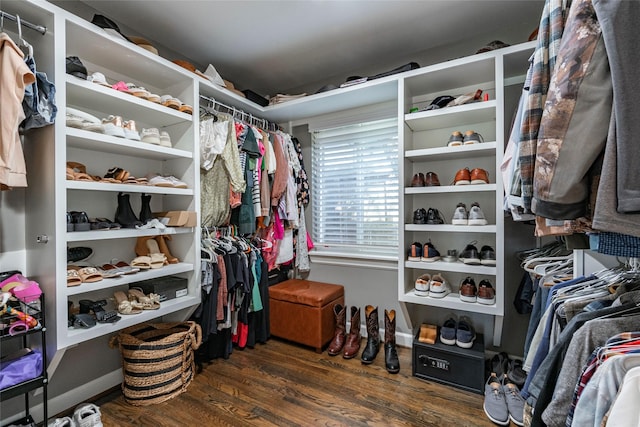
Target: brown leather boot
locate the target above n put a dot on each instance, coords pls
(373, 335)
(340, 335)
(141, 245)
(162, 244)
(352, 346)
(391, 361)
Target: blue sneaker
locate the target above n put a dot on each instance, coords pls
(465, 335)
(448, 332)
(430, 253)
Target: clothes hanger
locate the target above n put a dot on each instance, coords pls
(23, 42)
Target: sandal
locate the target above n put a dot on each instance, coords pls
(97, 224)
(142, 262)
(73, 279)
(112, 225)
(137, 91)
(78, 172)
(124, 267)
(102, 315)
(186, 108)
(116, 175)
(171, 102)
(158, 259)
(125, 306)
(149, 302)
(109, 273)
(87, 274)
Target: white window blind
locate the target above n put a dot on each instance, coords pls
(355, 187)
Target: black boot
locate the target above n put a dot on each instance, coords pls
(145, 209)
(124, 213)
(391, 361)
(373, 335)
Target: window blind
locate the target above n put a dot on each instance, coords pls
(355, 186)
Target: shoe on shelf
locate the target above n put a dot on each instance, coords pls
(434, 217)
(113, 126)
(420, 216)
(463, 177)
(79, 253)
(75, 67)
(430, 253)
(431, 180)
(487, 255)
(515, 402)
(468, 290)
(495, 402)
(439, 287)
(448, 331)
(460, 215)
(415, 252)
(455, 140)
(165, 139)
(472, 137)
(151, 136)
(486, 293)
(81, 120)
(479, 176)
(418, 180)
(130, 131)
(175, 182)
(421, 288)
(465, 335)
(476, 216)
(470, 254)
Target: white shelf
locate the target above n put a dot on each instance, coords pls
(485, 149)
(451, 302)
(153, 273)
(454, 267)
(111, 144)
(448, 228)
(123, 233)
(76, 336)
(127, 188)
(478, 112)
(476, 188)
(85, 94)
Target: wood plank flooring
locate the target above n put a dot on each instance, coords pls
(283, 384)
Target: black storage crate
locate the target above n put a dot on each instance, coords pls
(168, 287)
(449, 364)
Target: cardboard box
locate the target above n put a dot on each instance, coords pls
(449, 364)
(168, 287)
(178, 218)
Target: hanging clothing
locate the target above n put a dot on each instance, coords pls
(39, 102)
(15, 75)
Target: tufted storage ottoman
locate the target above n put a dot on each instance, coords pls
(302, 311)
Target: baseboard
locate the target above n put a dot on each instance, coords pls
(403, 339)
(72, 398)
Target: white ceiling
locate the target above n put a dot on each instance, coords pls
(293, 46)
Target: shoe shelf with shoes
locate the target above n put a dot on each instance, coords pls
(462, 144)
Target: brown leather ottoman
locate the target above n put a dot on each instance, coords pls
(302, 311)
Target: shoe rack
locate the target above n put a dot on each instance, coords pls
(51, 195)
(424, 135)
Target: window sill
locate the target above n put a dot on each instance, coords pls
(353, 258)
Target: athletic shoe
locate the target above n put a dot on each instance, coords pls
(430, 253)
(470, 254)
(434, 217)
(479, 176)
(460, 215)
(113, 126)
(487, 255)
(420, 216)
(439, 287)
(448, 332)
(495, 402)
(455, 140)
(79, 253)
(422, 285)
(471, 137)
(463, 177)
(468, 290)
(486, 293)
(415, 252)
(476, 216)
(465, 335)
(515, 402)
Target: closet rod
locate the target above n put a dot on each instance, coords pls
(39, 28)
(213, 101)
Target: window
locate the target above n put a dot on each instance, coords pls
(355, 187)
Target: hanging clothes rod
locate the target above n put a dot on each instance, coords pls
(39, 28)
(233, 110)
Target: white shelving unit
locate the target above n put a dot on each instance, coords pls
(424, 136)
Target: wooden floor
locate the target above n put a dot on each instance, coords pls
(283, 384)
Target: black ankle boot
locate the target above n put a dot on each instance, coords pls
(145, 209)
(124, 213)
(373, 335)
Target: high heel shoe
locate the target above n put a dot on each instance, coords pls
(141, 246)
(125, 306)
(162, 243)
(158, 259)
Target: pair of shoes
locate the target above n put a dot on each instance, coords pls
(475, 176)
(82, 120)
(435, 286)
(470, 255)
(346, 343)
(458, 139)
(426, 252)
(430, 179)
(474, 216)
(116, 126)
(156, 137)
(165, 181)
(431, 216)
(155, 245)
(79, 253)
(502, 401)
(78, 221)
(483, 294)
(460, 333)
(87, 415)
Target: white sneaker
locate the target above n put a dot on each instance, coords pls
(476, 216)
(159, 180)
(87, 415)
(422, 285)
(113, 126)
(130, 131)
(81, 120)
(151, 136)
(439, 287)
(61, 422)
(165, 139)
(460, 216)
(176, 182)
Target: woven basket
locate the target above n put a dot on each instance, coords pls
(157, 360)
